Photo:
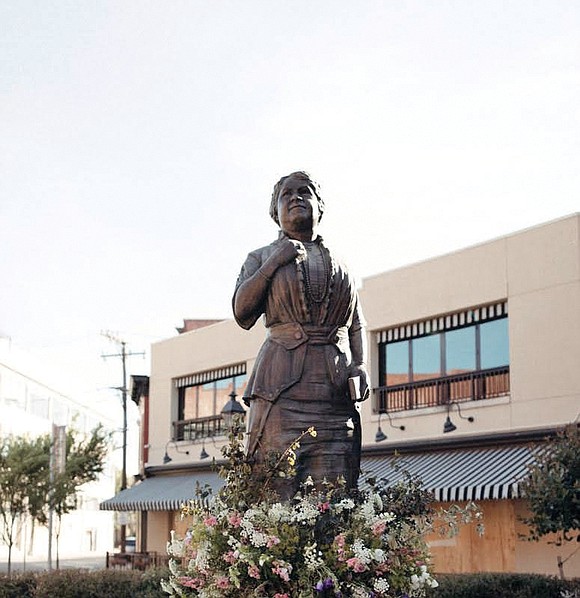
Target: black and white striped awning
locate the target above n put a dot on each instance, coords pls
(229, 371)
(451, 321)
(161, 493)
(459, 474)
(490, 473)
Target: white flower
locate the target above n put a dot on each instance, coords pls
(345, 504)
(357, 591)
(367, 509)
(304, 512)
(381, 585)
(167, 587)
(175, 546)
(173, 566)
(423, 579)
(360, 551)
(278, 512)
(202, 557)
(312, 557)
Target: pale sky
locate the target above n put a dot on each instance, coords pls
(140, 140)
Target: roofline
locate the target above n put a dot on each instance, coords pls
(468, 247)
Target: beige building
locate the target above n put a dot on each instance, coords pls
(474, 359)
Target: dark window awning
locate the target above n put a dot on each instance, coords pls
(459, 474)
(161, 493)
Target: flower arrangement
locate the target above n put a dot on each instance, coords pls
(325, 542)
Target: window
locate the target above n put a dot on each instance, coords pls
(494, 344)
(207, 400)
(461, 356)
(460, 350)
(201, 398)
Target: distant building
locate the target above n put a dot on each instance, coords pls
(28, 407)
(474, 361)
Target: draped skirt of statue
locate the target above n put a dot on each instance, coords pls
(320, 399)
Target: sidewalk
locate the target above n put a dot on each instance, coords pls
(92, 563)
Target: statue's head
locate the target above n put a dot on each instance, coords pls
(301, 176)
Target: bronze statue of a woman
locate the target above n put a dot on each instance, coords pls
(315, 343)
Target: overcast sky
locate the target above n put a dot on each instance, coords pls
(140, 140)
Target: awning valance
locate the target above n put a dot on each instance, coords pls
(459, 474)
(229, 371)
(161, 493)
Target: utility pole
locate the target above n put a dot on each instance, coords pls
(123, 355)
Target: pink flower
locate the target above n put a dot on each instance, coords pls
(356, 564)
(284, 595)
(191, 582)
(282, 570)
(222, 582)
(210, 521)
(339, 542)
(229, 557)
(378, 528)
(323, 506)
(235, 520)
(254, 571)
(272, 541)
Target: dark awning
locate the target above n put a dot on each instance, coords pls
(459, 474)
(161, 493)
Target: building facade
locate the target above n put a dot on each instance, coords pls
(474, 359)
(29, 407)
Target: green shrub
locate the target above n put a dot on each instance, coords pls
(78, 583)
(21, 585)
(502, 585)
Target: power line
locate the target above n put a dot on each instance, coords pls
(123, 355)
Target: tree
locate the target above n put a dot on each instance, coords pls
(85, 460)
(552, 489)
(22, 464)
(25, 481)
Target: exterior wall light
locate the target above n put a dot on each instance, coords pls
(380, 435)
(449, 426)
(166, 458)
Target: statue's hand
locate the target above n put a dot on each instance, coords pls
(361, 372)
(287, 251)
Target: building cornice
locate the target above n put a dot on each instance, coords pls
(459, 442)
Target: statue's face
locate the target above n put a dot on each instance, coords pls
(297, 205)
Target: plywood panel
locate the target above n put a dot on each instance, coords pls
(468, 552)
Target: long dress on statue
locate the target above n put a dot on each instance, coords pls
(300, 378)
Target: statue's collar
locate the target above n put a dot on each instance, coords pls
(283, 235)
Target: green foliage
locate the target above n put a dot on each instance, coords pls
(22, 468)
(25, 485)
(552, 488)
(22, 585)
(85, 458)
(504, 585)
(75, 583)
(325, 541)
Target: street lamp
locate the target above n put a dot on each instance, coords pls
(232, 409)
